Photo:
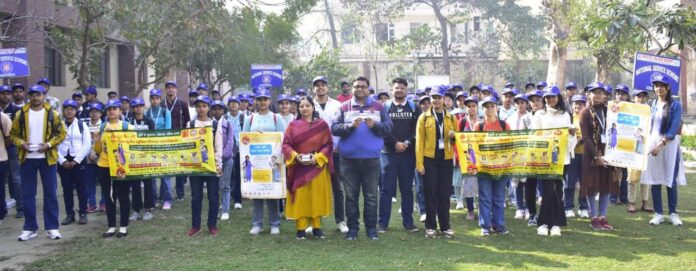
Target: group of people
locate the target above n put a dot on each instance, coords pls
(335, 150)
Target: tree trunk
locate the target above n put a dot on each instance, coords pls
(444, 43)
(558, 59)
(602, 74)
(83, 68)
(332, 26)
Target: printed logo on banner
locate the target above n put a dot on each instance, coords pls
(647, 67)
(266, 75)
(14, 62)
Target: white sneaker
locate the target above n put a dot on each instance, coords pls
(308, 230)
(569, 213)
(238, 206)
(26, 235)
(53, 234)
(342, 227)
(225, 216)
(134, 216)
(399, 209)
(526, 214)
(676, 221)
(555, 231)
(584, 214)
(275, 230)
(255, 230)
(657, 219)
(422, 218)
(393, 199)
(519, 214)
(10, 203)
(148, 216)
(543, 230)
(460, 206)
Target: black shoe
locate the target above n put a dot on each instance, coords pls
(351, 235)
(82, 220)
(20, 214)
(318, 234)
(301, 235)
(68, 220)
(372, 234)
(108, 234)
(411, 228)
(532, 221)
(381, 229)
(180, 198)
(121, 234)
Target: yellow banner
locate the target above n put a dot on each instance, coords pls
(525, 153)
(152, 154)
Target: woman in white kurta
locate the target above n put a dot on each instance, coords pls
(665, 164)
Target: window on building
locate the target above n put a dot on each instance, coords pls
(391, 32)
(53, 66)
(466, 32)
(414, 27)
(384, 32)
(101, 76)
(477, 23)
(457, 33)
(349, 33)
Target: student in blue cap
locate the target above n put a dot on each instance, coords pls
(140, 201)
(640, 96)
(163, 121)
(53, 101)
(94, 122)
(18, 95)
(574, 170)
(126, 108)
(521, 120)
(72, 153)
(90, 98)
(38, 153)
(236, 118)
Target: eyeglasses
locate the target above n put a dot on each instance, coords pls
(359, 86)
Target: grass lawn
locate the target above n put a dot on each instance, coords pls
(162, 244)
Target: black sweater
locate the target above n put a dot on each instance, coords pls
(404, 118)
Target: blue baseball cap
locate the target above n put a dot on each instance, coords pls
(489, 99)
(423, 98)
(125, 98)
(36, 88)
(70, 102)
(542, 84)
(428, 88)
(77, 94)
(471, 99)
(232, 99)
(112, 103)
(243, 97)
(301, 91)
(371, 89)
(420, 91)
(538, 93)
(5, 88)
(509, 85)
(319, 78)
(90, 90)
(412, 97)
(155, 92)
(458, 86)
(137, 102)
(608, 89)
(507, 90)
(218, 103)
(383, 93)
(215, 92)
(44, 80)
(659, 78)
(515, 91)
(622, 87)
(17, 85)
(578, 98)
(639, 91)
(263, 92)
(441, 90)
(461, 94)
(202, 86)
(552, 91)
(202, 99)
(168, 83)
(595, 85)
(192, 93)
(529, 84)
(284, 97)
(475, 87)
(571, 84)
(521, 97)
(96, 106)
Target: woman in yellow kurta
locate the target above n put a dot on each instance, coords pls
(308, 147)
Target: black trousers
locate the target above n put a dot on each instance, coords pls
(112, 190)
(137, 199)
(437, 185)
(530, 194)
(552, 211)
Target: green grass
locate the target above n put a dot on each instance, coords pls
(161, 244)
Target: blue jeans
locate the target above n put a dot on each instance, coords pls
(213, 185)
(165, 191)
(360, 174)
(257, 212)
(91, 177)
(491, 201)
(656, 191)
(573, 173)
(3, 207)
(420, 194)
(398, 168)
(49, 185)
(225, 181)
(601, 210)
(519, 195)
(14, 176)
(180, 182)
(74, 180)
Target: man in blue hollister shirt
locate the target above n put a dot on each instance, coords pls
(362, 124)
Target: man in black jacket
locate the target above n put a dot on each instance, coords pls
(398, 157)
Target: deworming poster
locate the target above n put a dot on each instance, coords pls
(262, 165)
(524, 153)
(627, 128)
(152, 154)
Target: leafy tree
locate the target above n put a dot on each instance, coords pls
(326, 63)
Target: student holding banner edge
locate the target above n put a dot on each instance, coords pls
(163, 121)
(118, 188)
(554, 115)
(141, 122)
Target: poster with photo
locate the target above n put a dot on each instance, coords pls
(627, 128)
(262, 165)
